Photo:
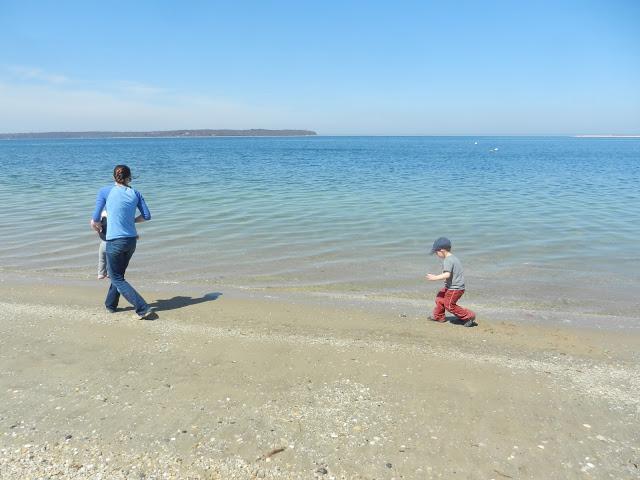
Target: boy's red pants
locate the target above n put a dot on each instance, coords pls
(447, 300)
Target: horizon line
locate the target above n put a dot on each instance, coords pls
(309, 133)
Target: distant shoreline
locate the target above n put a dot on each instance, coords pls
(159, 134)
(246, 133)
(606, 136)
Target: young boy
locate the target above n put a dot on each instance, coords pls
(102, 249)
(453, 277)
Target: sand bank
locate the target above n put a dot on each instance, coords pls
(221, 386)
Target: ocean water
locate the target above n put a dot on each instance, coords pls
(544, 225)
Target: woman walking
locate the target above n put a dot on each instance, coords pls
(121, 202)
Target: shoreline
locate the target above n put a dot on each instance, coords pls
(218, 384)
(607, 136)
(414, 302)
(181, 133)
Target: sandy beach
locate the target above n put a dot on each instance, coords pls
(224, 386)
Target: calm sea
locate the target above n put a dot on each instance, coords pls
(545, 226)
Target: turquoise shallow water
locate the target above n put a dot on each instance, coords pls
(550, 224)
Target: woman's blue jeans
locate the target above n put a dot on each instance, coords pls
(119, 252)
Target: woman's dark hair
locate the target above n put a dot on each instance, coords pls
(121, 173)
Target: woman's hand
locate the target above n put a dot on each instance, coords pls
(97, 226)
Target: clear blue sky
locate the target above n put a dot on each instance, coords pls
(337, 67)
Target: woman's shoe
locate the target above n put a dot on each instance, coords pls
(146, 314)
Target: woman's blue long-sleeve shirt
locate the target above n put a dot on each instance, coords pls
(121, 203)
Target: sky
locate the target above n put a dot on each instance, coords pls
(336, 67)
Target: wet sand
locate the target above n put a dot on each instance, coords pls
(227, 386)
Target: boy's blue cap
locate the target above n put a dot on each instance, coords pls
(442, 242)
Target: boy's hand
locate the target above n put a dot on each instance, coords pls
(431, 276)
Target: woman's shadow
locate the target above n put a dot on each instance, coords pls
(182, 301)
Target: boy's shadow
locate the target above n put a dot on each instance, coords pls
(182, 301)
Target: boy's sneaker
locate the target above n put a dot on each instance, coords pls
(471, 322)
(146, 314)
(430, 318)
